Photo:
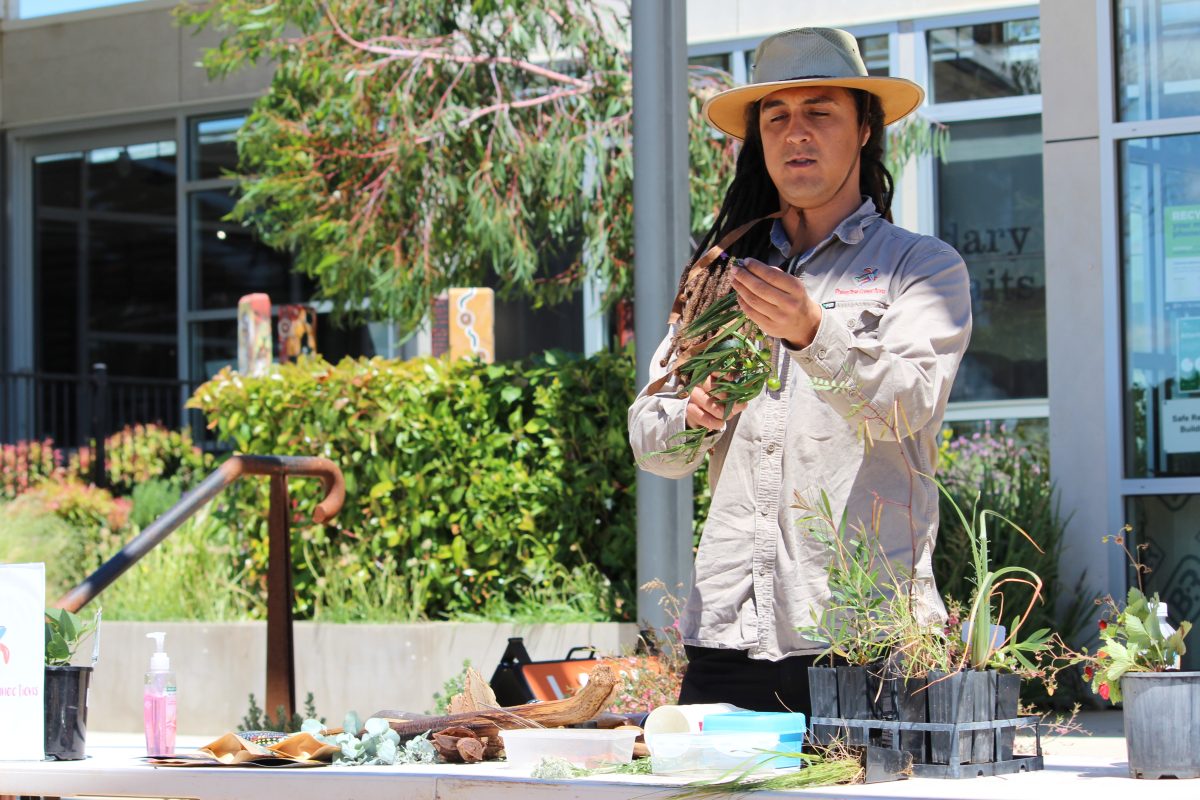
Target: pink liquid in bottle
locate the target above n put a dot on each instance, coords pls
(158, 704)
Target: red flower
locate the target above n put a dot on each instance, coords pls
(1088, 672)
(1104, 690)
(1103, 624)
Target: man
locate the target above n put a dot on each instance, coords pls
(868, 323)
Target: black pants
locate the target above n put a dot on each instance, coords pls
(731, 676)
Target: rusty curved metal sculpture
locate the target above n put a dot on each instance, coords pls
(281, 690)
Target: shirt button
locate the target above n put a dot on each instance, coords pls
(771, 448)
(762, 570)
(850, 323)
(821, 353)
(762, 513)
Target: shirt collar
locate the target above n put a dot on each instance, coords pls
(850, 230)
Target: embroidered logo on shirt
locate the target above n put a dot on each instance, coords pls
(868, 275)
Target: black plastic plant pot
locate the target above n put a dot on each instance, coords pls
(65, 698)
(1162, 724)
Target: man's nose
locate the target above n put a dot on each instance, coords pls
(798, 130)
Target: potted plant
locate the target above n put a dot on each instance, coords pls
(900, 668)
(1137, 663)
(66, 687)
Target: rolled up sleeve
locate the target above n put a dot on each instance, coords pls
(656, 419)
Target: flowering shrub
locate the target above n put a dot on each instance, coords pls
(91, 525)
(652, 678)
(82, 505)
(140, 453)
(25, 465)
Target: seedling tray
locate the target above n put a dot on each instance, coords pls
(954, 769)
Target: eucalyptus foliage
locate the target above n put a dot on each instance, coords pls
(407, 147)
(372, 742)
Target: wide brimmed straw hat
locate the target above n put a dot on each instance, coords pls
(809, 57)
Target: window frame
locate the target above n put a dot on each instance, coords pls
(1113, 133)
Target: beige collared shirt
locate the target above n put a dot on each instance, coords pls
(896, 321)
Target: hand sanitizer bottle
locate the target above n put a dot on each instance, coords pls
(158, 702)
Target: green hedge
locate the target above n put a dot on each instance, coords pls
(474, 481)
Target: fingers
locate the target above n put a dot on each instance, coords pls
(776, 301)
(704, 410)
(766, 288)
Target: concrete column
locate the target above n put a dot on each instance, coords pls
(660, 203)
(1080, 368)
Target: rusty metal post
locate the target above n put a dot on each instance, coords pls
(281, 660)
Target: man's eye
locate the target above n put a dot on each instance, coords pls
(777, 118)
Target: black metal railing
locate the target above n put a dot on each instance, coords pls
(80, 410)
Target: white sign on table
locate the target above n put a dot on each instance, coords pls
(22, 660)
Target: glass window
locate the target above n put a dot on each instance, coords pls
(990, 210)
(1158, 58)
(1166, 524)
(136, 178)
(57, 180)
(214, 345)
(1160, 265)
(56, 265)
(229, 262)
(105, 259)
(717, 60)
(27, 9)
(214, 149)
(874, 50)
(976, 62)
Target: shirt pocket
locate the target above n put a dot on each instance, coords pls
(862, 316)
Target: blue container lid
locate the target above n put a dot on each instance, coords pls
(755, 721)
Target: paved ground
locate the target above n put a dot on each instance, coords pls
(1102, 734)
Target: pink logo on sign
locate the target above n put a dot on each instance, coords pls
(3, 650)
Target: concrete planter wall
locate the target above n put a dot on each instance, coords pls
(347, 667)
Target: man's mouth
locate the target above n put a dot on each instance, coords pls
(800, 161)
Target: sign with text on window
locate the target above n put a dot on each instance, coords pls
(1181, 425)
(1181, 237)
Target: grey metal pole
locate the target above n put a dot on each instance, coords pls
(660, 231)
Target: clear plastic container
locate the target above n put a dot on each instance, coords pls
(712, 753)
(587, 748)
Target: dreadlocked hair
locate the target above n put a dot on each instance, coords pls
(752, 195)
(874, 180)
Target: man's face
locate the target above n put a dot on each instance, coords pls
(811, 140)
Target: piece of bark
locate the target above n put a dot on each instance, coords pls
(476, 695)
(470, 749)
(453, 745)
(585, 704)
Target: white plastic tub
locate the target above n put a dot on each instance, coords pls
(583, 747)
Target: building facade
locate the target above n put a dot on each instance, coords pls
(1070, 186)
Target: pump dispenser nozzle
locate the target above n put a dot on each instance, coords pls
(159, 662)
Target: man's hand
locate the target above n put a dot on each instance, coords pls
(777, 303)
(706, 409)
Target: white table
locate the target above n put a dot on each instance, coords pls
(115, 771)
